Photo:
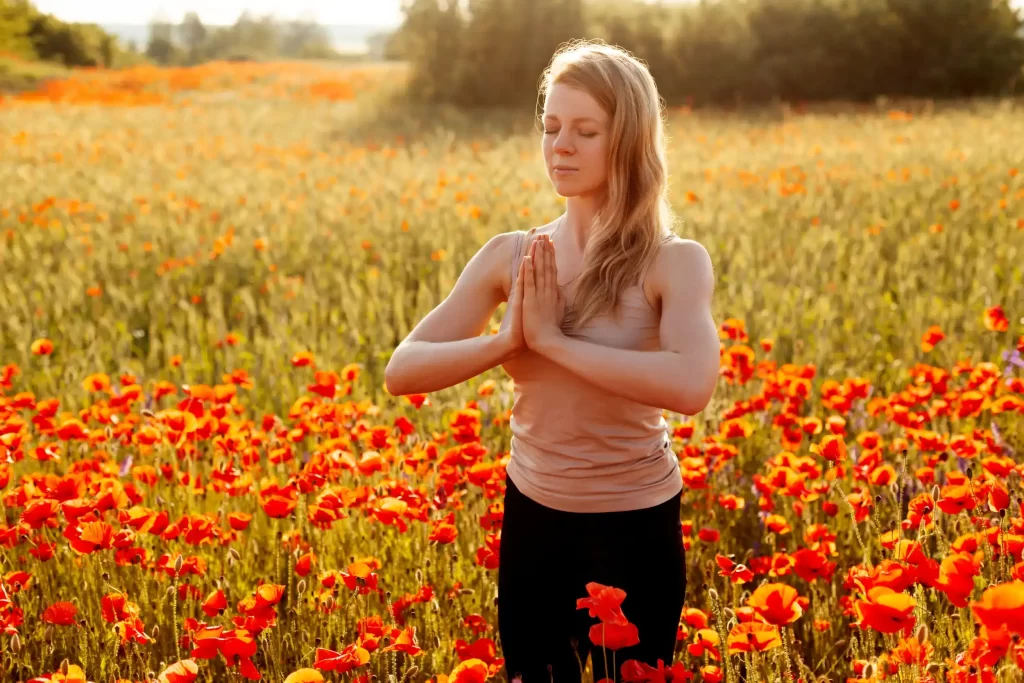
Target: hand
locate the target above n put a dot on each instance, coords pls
(514, 337)
(543, 304)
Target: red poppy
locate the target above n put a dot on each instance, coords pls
(614, 635)
(60, 613)
(604, 603)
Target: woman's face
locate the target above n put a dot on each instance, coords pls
(575, 142)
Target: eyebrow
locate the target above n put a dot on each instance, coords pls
(578, 118)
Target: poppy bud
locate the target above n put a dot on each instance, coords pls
(714, 594)
(15, 644)
(922, 633)
(177, 564)
(156, 631)
(105, 576)
(64, 667)
(437, 641)
(466, 591)
(419, 576)
(329, 602)
(170, 591)
(301, 588)
(869, 671)
(48, 633)
(234, 554)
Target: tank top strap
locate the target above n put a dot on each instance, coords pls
(522, 245)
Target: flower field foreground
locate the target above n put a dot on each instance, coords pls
(203, 479)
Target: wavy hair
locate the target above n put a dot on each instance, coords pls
(636, 215)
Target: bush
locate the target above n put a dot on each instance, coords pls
(723, 51)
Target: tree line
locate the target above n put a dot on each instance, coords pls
(249, 38)
(27, 33)
(492, 52)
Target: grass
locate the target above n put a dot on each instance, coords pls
(209, 289)
(18, 75)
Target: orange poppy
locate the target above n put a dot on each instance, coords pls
(305, 676)
(754, 636)
(776, 603)
(886, 611)
(996, 320)
(350, 658)
(184, 671)
(1001, 606)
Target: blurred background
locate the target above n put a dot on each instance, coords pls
(708, 51)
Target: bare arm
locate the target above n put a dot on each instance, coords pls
(682, 376)
(445, 348)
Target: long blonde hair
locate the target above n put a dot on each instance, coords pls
(636, 215)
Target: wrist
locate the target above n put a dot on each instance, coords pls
(547, 342)
(506, 346)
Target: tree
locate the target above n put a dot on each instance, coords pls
(193, 37)
(161, 48)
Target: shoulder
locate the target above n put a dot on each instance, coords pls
(682, 267)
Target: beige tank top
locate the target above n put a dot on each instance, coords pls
(575, 447)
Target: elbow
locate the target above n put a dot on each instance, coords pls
(393, 378)
(694, 396)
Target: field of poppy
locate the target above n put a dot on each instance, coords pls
(203, 479)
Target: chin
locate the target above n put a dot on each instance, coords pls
(567, 188)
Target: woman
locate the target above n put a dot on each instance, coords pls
(593, 488)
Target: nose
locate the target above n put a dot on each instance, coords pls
(563, 144)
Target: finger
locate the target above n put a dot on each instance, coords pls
(552, 265)
(542, 267)
(529, 284)
(538, 265)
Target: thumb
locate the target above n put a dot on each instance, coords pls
(517, 294)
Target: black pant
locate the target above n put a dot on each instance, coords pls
(546, 559)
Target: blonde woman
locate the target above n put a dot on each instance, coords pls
(608, 323)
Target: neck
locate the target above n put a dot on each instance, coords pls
(579, 218)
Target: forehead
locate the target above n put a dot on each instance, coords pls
(566, 104)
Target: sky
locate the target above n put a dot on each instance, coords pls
(219, 12)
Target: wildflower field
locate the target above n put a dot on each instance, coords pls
(203, 272)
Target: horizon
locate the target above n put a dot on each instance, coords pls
(378, 13)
